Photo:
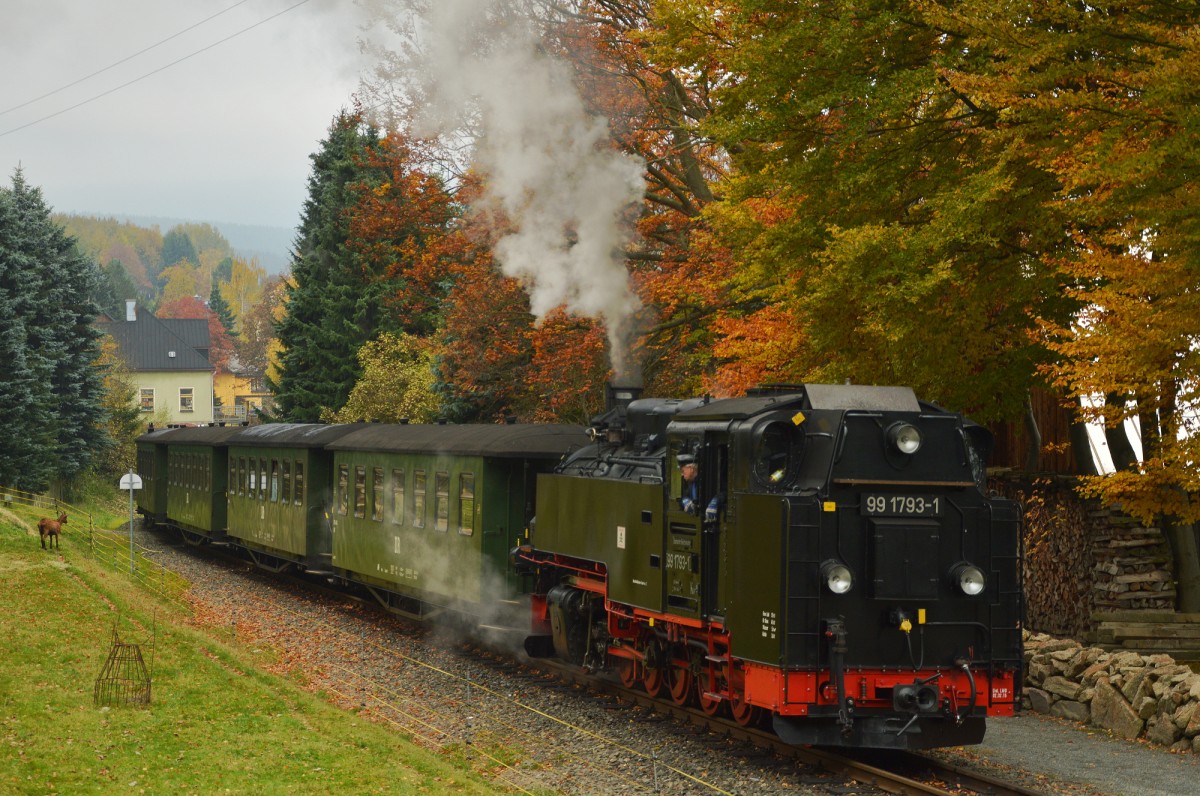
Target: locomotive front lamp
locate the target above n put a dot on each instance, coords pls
(837, 576)
(905, 437)
(969, 578)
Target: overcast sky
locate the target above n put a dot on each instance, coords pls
(223, 136)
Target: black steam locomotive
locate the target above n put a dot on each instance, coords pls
(842, 568)
(836, 567)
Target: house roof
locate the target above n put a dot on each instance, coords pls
(154, 344)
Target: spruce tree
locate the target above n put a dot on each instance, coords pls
(219, 306)
(327, 320)
(52, 391)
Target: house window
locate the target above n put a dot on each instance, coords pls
(147, 399)
(185, 400)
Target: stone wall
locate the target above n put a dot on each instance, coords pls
(1133, 695)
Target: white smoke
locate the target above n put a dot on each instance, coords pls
(476, 67)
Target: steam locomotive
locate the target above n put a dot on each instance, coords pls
(838, 568)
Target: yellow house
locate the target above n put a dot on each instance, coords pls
(168, 362)
(240, 395)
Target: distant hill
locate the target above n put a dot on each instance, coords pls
(271, 246)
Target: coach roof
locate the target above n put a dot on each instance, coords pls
(292, 435)
(496, 441)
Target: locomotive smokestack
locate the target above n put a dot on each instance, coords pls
(620, 396)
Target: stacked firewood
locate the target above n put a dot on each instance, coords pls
(1133, 564)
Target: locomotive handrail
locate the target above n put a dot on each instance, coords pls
(882, 482)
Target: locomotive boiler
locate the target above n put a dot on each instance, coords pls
(843, 572)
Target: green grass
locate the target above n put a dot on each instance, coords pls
(218, 723)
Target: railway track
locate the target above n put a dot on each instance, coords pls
(880, 770)
(899, 773)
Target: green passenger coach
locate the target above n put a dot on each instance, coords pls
(425, 515)
(152, 467)
(196, 480)
(279, 496)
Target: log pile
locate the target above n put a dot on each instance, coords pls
(1059, 598)
(1133, 564)
(1083, 559)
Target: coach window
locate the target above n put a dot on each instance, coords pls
(466, 504)
(418, 512)
(398, 496)
(252, 481)
(343, 488)
(286, 495)
(377, 494)
(274, 480)
(231, 479)
(360, 491)
(241, 479)
(262, 479)
(208, 463)
(298, 491)
(441, 488)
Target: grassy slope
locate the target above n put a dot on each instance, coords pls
(218, 724)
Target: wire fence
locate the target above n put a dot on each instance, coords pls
(462, 716)
(115, 548)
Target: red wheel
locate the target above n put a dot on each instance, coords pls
(681, 682)
(652, 680)
(743, 712)
(653, 667)
(629, 671)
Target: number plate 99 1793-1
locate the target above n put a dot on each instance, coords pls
(902, 506)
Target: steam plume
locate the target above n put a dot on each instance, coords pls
(477, 65)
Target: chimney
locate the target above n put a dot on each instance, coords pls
(130, 310)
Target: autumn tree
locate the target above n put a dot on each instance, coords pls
(256, 340)
(181, 280)
(1100, 98)
(397, 383)
(484, 345)
(393, 226)
(873, 202)
(123, 419)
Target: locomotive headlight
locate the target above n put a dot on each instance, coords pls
(905, 437)
(837, 576)
(969, 578)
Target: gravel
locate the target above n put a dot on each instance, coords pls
(533, 734)
(515, 726)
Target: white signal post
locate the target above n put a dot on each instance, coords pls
(131, 481)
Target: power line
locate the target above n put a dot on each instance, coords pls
(123, 60)
(155, 71)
